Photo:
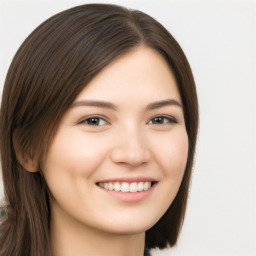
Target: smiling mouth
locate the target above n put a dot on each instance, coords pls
(126, 187)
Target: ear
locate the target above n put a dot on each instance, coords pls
(29, 163)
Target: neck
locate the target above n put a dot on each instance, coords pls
(72, 238)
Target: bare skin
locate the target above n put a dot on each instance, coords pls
(126, 127)
(81, 240)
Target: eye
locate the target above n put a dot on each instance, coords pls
(162, 120)
(94, 121)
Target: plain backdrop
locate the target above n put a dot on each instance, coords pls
(219, 39)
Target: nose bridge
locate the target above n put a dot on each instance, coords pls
(131, 146)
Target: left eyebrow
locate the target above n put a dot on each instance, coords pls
(163, 103)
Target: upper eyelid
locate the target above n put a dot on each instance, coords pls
(93, 116)
(108, 121)
(105, 118)
(164, 116)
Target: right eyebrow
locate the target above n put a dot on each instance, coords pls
(93, 103)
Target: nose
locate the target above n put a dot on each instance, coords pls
(130, 148)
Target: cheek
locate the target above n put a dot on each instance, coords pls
(74, 154)
(70, 163)
(172, 155)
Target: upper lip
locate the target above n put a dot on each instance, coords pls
(128, 179)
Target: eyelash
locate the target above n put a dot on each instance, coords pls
(98, 119)
(169, 119)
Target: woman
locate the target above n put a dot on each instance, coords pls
(99, 121)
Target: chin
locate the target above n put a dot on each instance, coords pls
(128, 228)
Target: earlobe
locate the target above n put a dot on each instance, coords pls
(29, 163)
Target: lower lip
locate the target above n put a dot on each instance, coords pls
(130, 197)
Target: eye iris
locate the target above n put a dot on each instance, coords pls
(158, 120)
(93, 121)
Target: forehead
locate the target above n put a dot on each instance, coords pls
(140, 74)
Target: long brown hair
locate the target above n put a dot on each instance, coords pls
(52, 66)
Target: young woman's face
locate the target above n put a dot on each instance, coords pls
(125, 131)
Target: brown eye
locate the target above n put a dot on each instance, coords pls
(162, 120)
(94, 121)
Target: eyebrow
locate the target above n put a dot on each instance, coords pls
(111, 106)
(95, 103)
(163, 103)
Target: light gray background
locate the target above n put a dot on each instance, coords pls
(219, 40)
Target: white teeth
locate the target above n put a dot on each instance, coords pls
(140, 186)
(117, 186)
(110, 186)
(126, 187)
(146, 186)
(133, 187)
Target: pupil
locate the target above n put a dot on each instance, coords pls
(158, 120)
(93, 121)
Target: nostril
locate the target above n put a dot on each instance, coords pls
(130, 153)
